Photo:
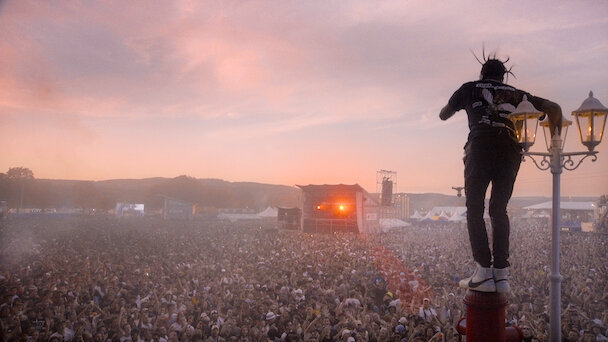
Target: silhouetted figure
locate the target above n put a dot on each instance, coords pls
(459, 190)
(492, 155)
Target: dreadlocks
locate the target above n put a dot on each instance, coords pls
(492, 67)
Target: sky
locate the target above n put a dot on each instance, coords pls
(283, 92)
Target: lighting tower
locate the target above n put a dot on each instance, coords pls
(386, 182)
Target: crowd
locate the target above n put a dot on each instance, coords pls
(104, 279)
(440, 252)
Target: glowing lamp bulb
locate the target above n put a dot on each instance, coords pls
(341, 207)
(318, 207)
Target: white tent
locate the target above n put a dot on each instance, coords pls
(448, 211)
(416, 215)
(269, 212)
(427, 217)
(564, 205)
(443, 215)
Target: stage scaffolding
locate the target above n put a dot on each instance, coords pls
(392, 205)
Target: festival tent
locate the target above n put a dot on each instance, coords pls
(580, 211)
(427, 217)
(416, 215)
(564, 205)
(449, 214)
(269, 212)
(447, 211)
(443, 216)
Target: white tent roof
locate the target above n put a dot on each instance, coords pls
(563, 205)
(269, 212)
(448, 211)
(416, 215)
(428, 216)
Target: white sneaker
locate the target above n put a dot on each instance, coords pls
(482, 280)
(500, 278)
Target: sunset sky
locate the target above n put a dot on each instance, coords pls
(282, 92)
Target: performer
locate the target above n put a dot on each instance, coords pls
(492, 155)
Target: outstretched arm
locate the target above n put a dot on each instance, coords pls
(554, 111)
(446, 112)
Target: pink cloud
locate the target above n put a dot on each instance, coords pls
(243, 74)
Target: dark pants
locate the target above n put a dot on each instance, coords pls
(492, 159)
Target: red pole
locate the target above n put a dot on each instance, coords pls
(486, 318)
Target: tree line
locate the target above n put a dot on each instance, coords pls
(20, 188)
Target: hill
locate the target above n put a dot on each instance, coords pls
(208, 192)
(50, 193)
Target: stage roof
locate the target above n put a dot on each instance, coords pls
(563, 205)
(337, 188)
(331, 187)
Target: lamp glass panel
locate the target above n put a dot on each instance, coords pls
(564, 134)
(599, 122)
(525, 127)
(547, 132)
(530, 129)
(584, 126)
(518, 122)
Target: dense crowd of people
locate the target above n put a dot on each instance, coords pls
(141, 279)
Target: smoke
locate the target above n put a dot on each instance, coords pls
(17, 245)
(23, 238)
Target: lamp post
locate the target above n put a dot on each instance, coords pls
(591, 120)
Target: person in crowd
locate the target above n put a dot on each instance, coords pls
(426, 312)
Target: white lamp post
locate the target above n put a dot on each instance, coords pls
(591, 119)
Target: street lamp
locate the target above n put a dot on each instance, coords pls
(525, 118)
(590, 119)
(547, 132)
